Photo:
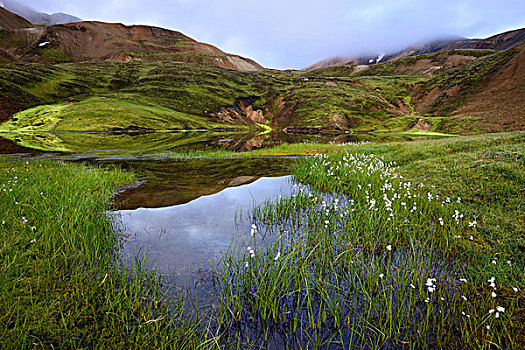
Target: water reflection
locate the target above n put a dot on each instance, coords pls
(169, 182)
(158, 142)
(182, 239)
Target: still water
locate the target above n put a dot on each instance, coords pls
(186, 213)
(183, 213)
(183, 240)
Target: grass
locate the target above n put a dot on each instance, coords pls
(421, 248)
(104, 114)
(62, 285)
(387, 245)
(171, 95)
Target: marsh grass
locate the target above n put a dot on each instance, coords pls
(377, 260)
(397, 245)
(62, 285)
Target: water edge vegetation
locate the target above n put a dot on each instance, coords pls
(360, 269)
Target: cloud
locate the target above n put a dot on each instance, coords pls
(296, 33)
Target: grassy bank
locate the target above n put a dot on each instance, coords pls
(168, 95)
(396, 245)
(104, 114)
(61, 283)
(420, 249)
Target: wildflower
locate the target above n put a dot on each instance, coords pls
(381, 275)
(471, 238)
(252, 253)
(277, 256)
(412, 286)
(493, 294)
(464, 297)
(509, 263)
(494, 262)
(498, 310)
(33, 228)
(515, 289)
(488, 327)
(463, 280)
(389, 247)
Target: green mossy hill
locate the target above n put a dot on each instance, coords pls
(204, 94)
(103, 114)
(169, 95)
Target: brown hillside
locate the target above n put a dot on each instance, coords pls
(98, 41)
(502, 102)
(501, 41)
(9, 20)
(429, 66)
(496, 98)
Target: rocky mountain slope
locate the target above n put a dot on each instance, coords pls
(9, 20)
(94, 76)
(98, 41)
(501, 41)
(36, 17)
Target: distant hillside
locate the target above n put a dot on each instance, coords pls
(36, 17)
(118, 78)
(502, 41)
(9, 20)
(98, 41)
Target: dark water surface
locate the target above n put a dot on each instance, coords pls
(183, 240)
(184, 213)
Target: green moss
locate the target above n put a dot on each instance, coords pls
(55, 54)
(103, 114)
(368, 100)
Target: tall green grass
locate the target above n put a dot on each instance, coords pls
(398, 245)
(365, 258)
(62, 285)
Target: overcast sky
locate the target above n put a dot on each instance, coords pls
(296, 33)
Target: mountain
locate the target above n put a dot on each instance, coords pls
(9, 20)
(36, 17)
(502, 41)
(138, 78)
(98, 41)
